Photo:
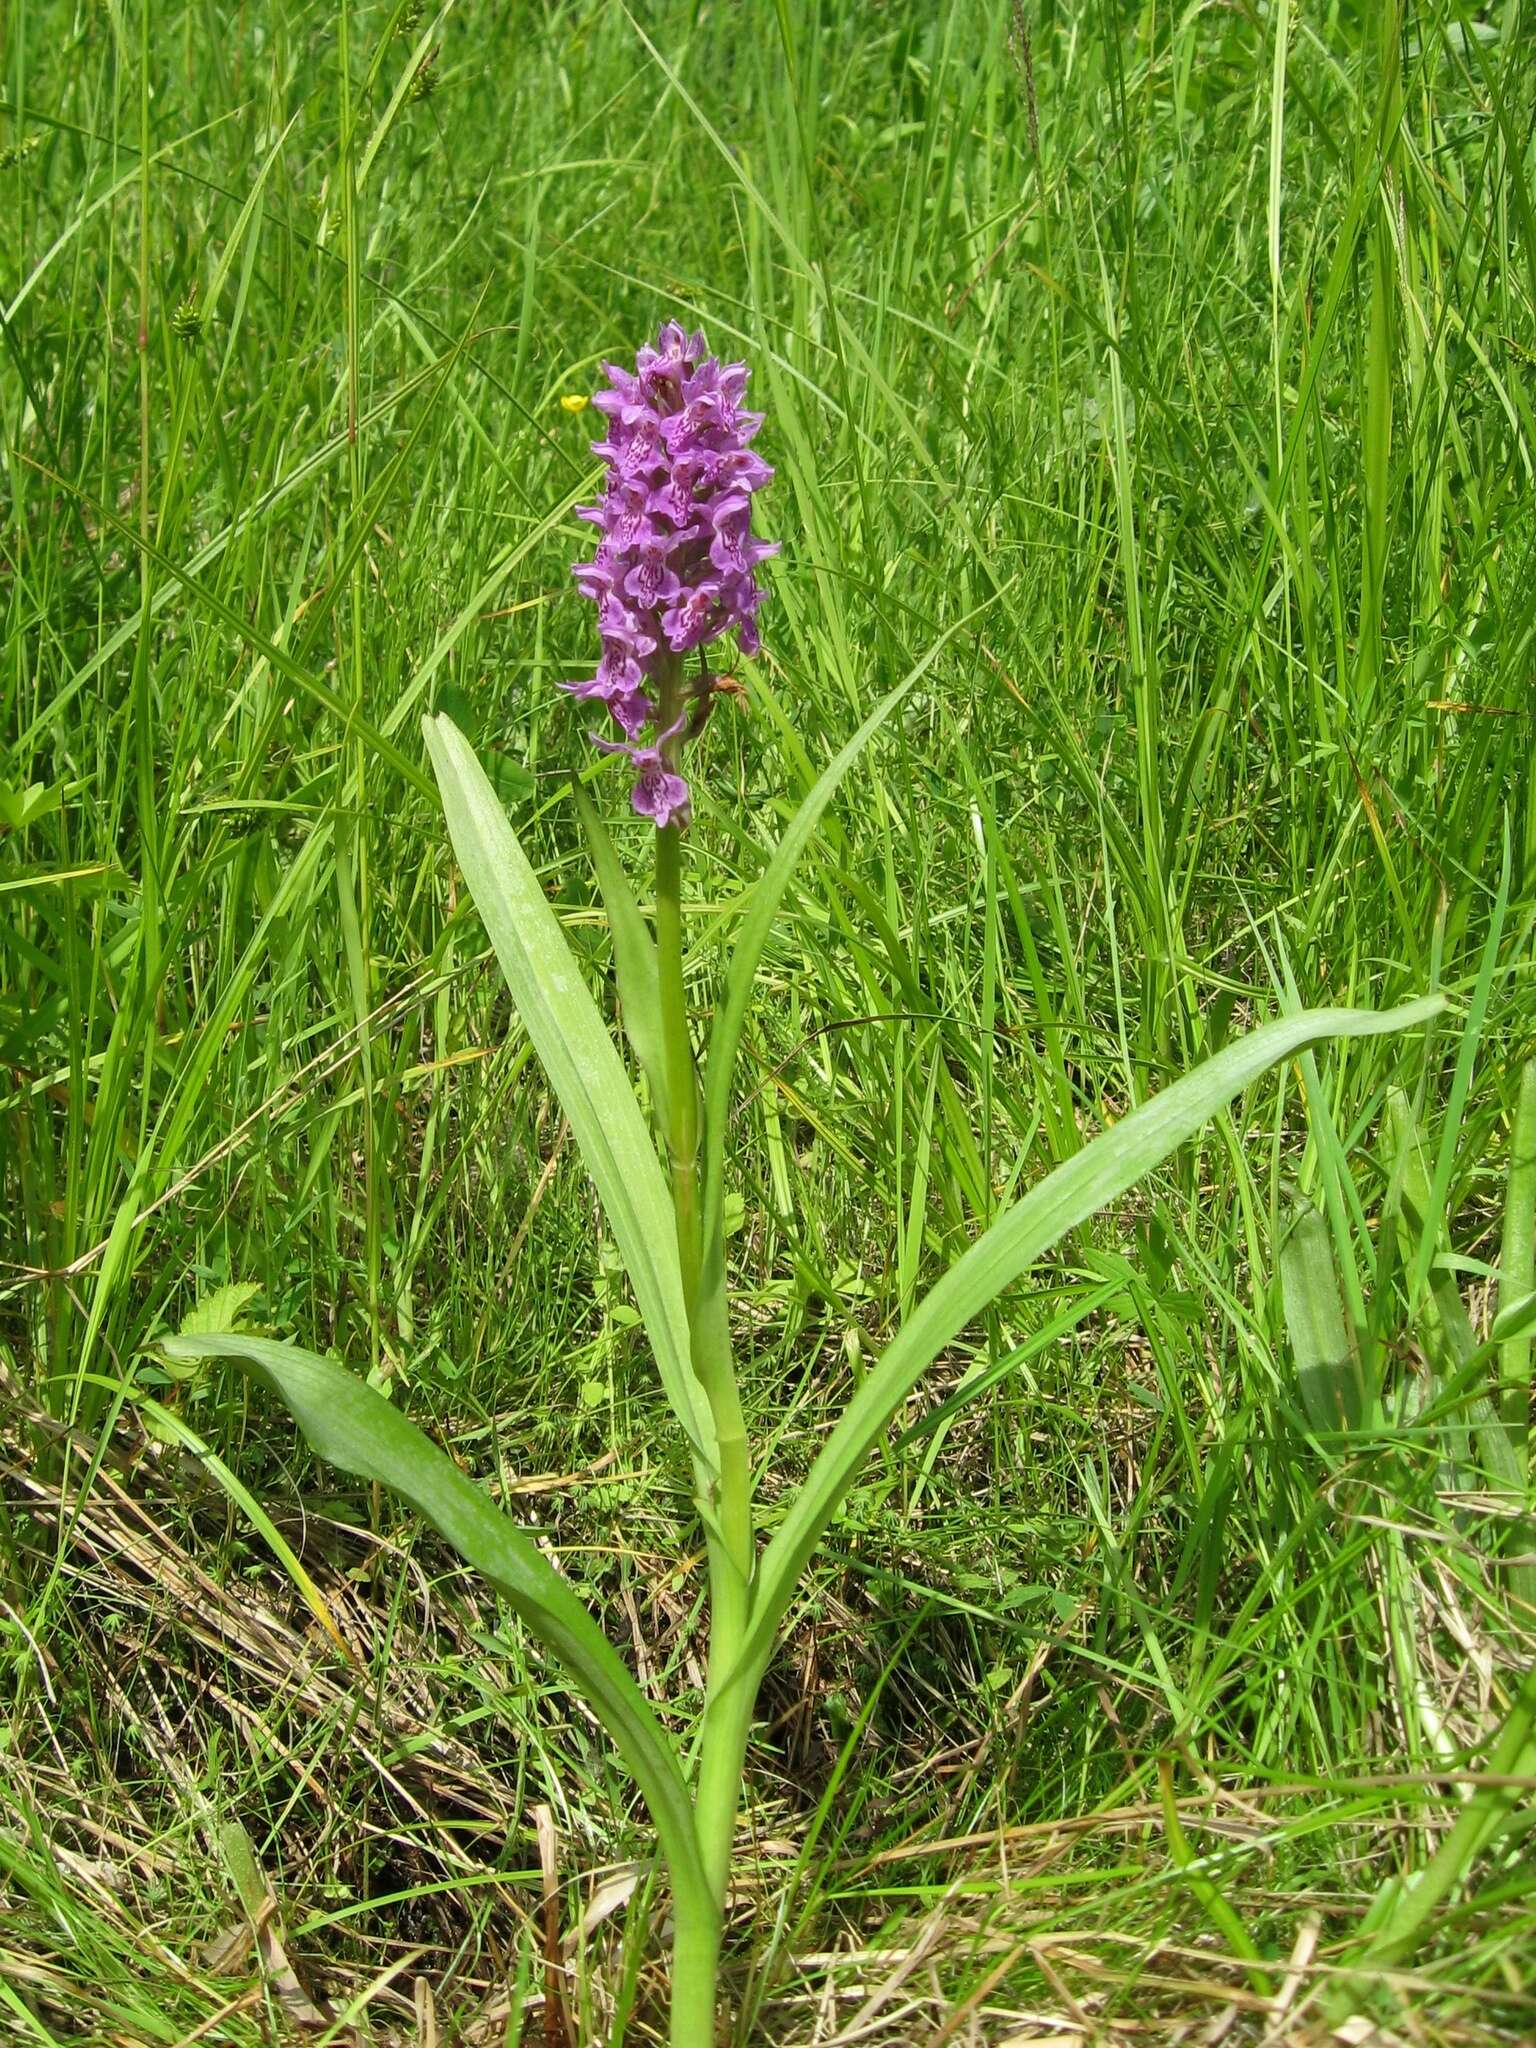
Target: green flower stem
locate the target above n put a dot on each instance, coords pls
(727, 1705)
(695, 1968)
(722, 1761)
(708, 1328)
(710, 1340)
(728, 1513)
(682, 1132)
(682, 1084)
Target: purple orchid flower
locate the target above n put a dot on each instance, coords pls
(675, 560)
(660, 792)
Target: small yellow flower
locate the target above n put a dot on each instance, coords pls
(574, 401)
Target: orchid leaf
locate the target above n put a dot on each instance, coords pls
(350, 1425)
(582, 1062)
(1066, 1198)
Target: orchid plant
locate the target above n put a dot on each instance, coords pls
(674, 570)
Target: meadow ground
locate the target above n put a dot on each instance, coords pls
(1158, 381)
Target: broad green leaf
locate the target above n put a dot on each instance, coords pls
(1326, 1369)
(634, 954)
(1067, 1197)
(582, 1063)
(22, 806)
(351, 1426)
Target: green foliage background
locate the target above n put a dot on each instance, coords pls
(1164, 377)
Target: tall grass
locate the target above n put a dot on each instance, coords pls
(1162, 378)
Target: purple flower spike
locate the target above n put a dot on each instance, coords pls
(674, 564)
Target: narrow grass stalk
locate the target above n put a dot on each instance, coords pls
(1517, 1263)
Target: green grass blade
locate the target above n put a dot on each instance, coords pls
(712, 1331)
(171, 1428)
(1066, 1198)
(1517, 1261)
(350, 1425)
(752, 934)
(580, 1059)
(1401, 1911)
(1217, 1908)
(725, 1037)
(634, 953)
(265, 649)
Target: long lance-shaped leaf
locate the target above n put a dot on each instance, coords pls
(1067, 1197)
(582, 1063)
(350, 1425)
